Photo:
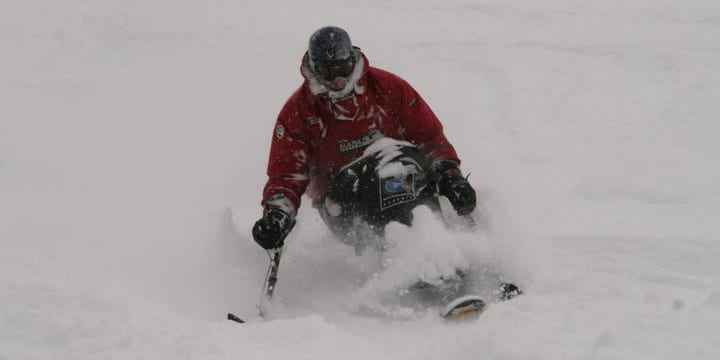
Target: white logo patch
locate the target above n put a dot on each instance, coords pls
(280, 132)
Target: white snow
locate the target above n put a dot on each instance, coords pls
(133, 144)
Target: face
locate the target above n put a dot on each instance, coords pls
(336, 84)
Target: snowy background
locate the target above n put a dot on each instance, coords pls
(134, 138)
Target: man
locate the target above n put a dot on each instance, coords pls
(363, 145)
(344, 106)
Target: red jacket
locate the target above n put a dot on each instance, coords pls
(316, 135)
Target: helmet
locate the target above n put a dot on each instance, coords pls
(330, 52)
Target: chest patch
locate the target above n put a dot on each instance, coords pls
(346, 146)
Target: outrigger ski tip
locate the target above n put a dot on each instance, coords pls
(233, 317)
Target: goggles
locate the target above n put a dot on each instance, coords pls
(331, 69)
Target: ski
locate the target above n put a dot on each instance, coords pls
(468, 307)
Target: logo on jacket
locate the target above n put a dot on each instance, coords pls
(397, 190)
(280, 132)
(346, 146)
(396, 185)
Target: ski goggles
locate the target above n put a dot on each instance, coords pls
(332, 69)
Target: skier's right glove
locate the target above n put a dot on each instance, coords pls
(270, 231)
(455, 187)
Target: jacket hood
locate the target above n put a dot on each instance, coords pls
(356, 83)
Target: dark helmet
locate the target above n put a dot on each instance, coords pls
(330, 52)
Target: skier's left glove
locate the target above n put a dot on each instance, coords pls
(270, 231)
(455, 187)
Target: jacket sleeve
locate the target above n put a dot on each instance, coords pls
(423, 128)
(288, 163)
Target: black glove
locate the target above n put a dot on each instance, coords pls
(456, 188)
(270, 231)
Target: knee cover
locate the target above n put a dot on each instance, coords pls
(380, 187)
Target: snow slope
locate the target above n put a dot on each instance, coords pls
(133, 140)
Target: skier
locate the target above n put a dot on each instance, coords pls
(362, 143)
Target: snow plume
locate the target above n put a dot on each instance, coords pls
(427, 252)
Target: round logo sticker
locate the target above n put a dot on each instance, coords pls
(280, 132)
(395, 185)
